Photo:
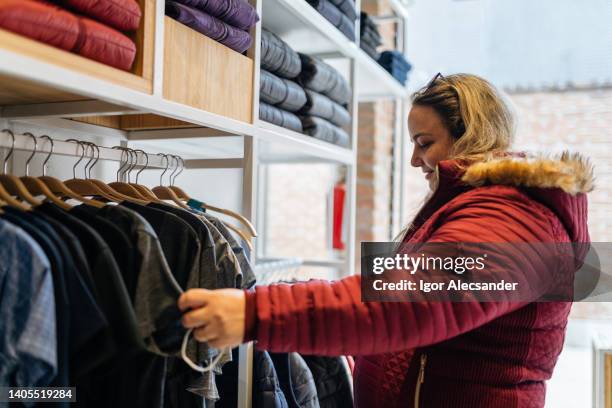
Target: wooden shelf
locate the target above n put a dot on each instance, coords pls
(205, 74)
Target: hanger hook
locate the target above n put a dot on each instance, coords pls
(174, 170)
(93, 156)
(80, 158)
(121, 163)
(146, 155)
(4, 166)
(27, 168)
(97, 158)
(182, 167)
(134, 164)
(165, 156)
(44, 169)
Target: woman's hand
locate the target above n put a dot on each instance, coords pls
(217, 316)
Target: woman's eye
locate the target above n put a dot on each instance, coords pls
(425, 145)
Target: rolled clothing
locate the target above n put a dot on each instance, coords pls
(320, 77)
(347, 7)
(332, 14)
(368, 35)
(394, 59)
(323, 107)
(278, 57)
(283, 93)
(279, 117)
(237, 13)
(232, 37)
(324, 130)
(370, 50)
(366, 21)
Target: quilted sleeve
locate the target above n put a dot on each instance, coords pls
(329, 318)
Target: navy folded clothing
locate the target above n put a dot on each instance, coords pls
(324, 130)
(323, 107)
(394, 57)
(279, 117)
(281, 92)
(278, 57)
(347, 7)
(210, 26)
(335, 16)
(237, 13)
(320, 77)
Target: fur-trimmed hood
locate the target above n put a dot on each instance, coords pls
(570, 172)
(560, 182)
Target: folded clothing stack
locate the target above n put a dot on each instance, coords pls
(323, 130)
(327, 94)
(301, 93)
(395, 63)
(341, 13)
(322, 78)
(97, 32)
(279, 96)
(369, 36)
(283, 93)
(225, 21)
(278, 57)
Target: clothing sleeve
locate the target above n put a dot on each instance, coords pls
(329, 318)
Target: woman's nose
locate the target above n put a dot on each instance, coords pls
(415, 160)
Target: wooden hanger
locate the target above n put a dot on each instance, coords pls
(241, 233)
(57, 187)
(8, 199)
(37, 187)
(144, 190)
(126, 188)
(11, 183)
(182, 195)
(93, 187)
(165, 193)
(86, 187)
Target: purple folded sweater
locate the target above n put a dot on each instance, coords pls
(210, 26)
(238, 13)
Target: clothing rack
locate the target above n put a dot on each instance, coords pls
(24, 142)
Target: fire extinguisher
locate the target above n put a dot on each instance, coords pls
(338, 217)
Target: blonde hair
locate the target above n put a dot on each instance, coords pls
(476, 115)
(474, 111)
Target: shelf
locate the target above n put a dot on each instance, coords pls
(277, 145)
(306, 31)
(300, 25)
(283, 145)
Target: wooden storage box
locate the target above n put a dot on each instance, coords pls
(140, 79)
(205, 74)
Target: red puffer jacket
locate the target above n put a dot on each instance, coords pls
(461, 354)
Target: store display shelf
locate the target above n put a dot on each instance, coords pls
(373, 81)
(284, 145)
(302, 27)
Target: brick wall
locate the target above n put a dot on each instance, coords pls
(374, 161)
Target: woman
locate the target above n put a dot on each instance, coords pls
(435, 354)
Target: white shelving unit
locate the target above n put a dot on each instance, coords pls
(47, 88)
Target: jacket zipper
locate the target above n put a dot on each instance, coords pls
(420, 380)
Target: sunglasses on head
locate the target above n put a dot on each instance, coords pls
(433, 80)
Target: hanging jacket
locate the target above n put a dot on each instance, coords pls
(266, 392)
(332, 381)
(470, 354)
(296, 380)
